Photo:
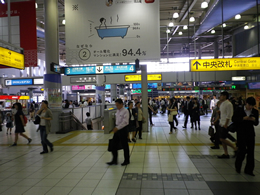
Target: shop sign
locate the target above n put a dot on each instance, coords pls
(238, 78)
(150, 77)
(18, 82)
(134, 91)
(11, 58)
(109, 69)
(120, 31)
(225, 64)
(13, 97)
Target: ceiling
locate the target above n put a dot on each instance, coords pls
(178, 45)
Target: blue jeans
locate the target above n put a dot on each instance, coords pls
(45, 141)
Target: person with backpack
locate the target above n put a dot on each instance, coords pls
(45, 126)
(20, 123)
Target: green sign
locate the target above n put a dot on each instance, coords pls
(140, 91)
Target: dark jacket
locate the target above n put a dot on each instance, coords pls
(203, 103)
(134, 112)
(245, 128)
(188, 107)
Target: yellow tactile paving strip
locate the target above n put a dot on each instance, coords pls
(73, 134)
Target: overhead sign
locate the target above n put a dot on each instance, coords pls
(150, 77)
(14, 97)
(38, 81)
(85, 79)
(238, 78)
(134, 91)
(225, 64)
(178, 89)
(120, 31)
(11, 58)
(56, 68)
(108, 69)
(18, 82)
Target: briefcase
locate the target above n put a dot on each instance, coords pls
(211, 131)
(112, 145)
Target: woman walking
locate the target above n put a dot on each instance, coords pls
(140, 119)
(196, 113)
(172, 112)
(19, 124)
(132, 122)
(45, 126)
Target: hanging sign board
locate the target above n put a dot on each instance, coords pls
(120, 31)
(11, 58)
(225, 64)
(150, 77)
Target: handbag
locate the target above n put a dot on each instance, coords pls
(232, 128)
(37, 120)
(170, 118)
(112, 145)
(211, 131)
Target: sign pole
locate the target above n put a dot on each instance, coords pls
(144, 97)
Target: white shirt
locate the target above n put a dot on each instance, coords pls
(248, 112)
(1, 108)
(132, 116)
(226, 112)
(71, 106)
(122, 118)
(162, 102)
(88, 121)
(213, 103)
(43, 121)
(85, 103)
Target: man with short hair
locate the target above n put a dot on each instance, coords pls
(246, 118)
(187, 110)
(121, 133)
(205, 105)
(213, 102)
(226, 113)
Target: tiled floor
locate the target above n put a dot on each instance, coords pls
(181, 163)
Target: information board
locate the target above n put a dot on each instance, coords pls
(120, 31)
(11, 58)
(18, 82)
(225, 64)
(150, 77)
(109, 69)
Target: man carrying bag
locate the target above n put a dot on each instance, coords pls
(120, 134)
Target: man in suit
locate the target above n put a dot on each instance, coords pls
(246, 118)
(205, 105)
(188, 105)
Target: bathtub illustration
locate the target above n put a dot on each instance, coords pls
(112, 31)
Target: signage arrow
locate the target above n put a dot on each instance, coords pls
(99, 69)
(197, 64)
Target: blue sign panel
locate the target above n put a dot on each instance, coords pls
(112, 69)
(19, 82)
(119, 69)
(80, 70)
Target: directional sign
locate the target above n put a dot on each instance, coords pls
(225, 64)
(150, 77)
(108, 69)
(11, 59)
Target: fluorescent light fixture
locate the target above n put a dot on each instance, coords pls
(185, 27)
(246, 27)
(238, 16)
(36, 5)
(239, 78)
(2, 1)
(180, 33)
(224, 25)
(175, 15)
(63, 21)
(171, 24)
(168, 31)
(213, 32)
(192, 19)
(204, 4)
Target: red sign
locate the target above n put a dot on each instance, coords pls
(13, 97)
(27, 27)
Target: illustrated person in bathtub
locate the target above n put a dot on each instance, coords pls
(109, 3)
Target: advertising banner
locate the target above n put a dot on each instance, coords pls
(105, 31)
(54, 97)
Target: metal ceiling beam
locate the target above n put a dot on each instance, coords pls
(188, 10)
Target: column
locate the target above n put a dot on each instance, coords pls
(144, 96)
(122, 91)
(52, 81)
(200, 52)
(100, 93)
(216, 50)
(113, 92)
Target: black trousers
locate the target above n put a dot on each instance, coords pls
(246, 145)
(186, 119)
(121, 136)
(205, 109)
(139, 129)
(150, 117)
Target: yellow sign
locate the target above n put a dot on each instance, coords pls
(11, 58)
(150, 77)
(24, 98)
(225, 64)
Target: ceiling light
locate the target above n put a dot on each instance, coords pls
(238, 16)
(180, 33)
(246, 27)
(192, 19)
(2, 1)
(171, 24)
(224, 25)
(175, 15)
(63, 21)
(185, 27)
(36, 5)
(204, 4)
(213, 32)
(168, 31)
